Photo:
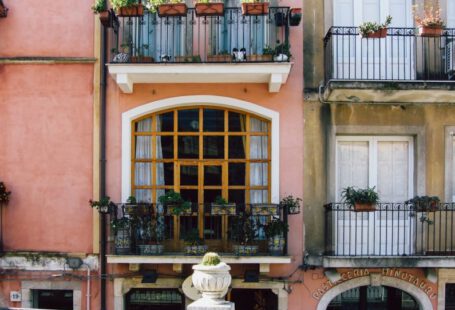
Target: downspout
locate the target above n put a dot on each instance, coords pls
(102, 184)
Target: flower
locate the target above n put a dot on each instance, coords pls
(431, 17)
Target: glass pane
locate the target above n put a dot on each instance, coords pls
(164, 147)
(189, 195)
(259, 196)
(188, 120)
(143, 195)
(237, 147)
(237, 196)
(144, 125)
(237, 174)
(188, 175)
(256, 125)
(143, 150)
(212, 175)
(188, 147)
(164, 174)
(213, 120)
(165, 122)
(143, 174)
(187, 225)
(214, 147)
(259, 174)
(258, 147)
(237, 122)
(212, 227)
(211, 194)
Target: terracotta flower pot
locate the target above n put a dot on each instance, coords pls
(141, 59)
(430, 31)
(210, 9)
(131, 11)
(364, 207)
(255, 8)
(219, 58)
(252, 57)
(295, 16)
(172, 9)
(105, 18)
(376, 35)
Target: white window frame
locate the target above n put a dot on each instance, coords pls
(449, 164)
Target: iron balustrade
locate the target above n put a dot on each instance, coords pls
(401, 56)
(189, 39)
(170, 230)
(393, 229)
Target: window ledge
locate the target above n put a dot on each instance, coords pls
(274, 74)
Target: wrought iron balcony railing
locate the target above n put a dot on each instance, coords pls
(401, 56)
(232, 37)
(391, 229)
(150, 229)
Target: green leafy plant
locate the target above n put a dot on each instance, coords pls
(131, 200)
(367, 28)
(220, 201)
(267, 50)
(103, 202)
(291, 203)
(424, 203)
(174, 200)
(4, 194)
(119, 224)
(352, 195)
(116, 4)
(99, 6)
(243, 229)
(276, 227)
(211, 259)
(283, 48)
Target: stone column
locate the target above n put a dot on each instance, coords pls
(213, 281)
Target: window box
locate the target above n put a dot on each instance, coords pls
(264, 209)
(200, 249)
(172, 10)
(255, 8)
(226, 209)
(151, 249)
(131, 11)
(376, 35)
(259, 58)
(186, 59)
(430, 31)
(242, 249)
(219, 58)
(364, 207)
(141, 59)
(210, 9)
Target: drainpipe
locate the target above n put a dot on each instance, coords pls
(102, 184)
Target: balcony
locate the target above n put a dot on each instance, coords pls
(148, 233)
(395, 234)
(401, 66)
(192, 49)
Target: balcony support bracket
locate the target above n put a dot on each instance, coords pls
(133, 267)
(177, 268)
(264, 268)
(125, 83)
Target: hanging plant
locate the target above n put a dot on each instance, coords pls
(4, 194)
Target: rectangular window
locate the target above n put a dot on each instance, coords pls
(53, 299)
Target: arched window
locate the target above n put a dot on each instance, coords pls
(202, 152)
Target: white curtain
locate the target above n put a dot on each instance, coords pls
(143, 171)
(258, 171)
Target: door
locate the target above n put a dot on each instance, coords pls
(361, 58)
(387, 164)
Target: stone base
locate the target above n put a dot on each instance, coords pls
(204, 304)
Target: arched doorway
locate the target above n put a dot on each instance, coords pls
(374, 298)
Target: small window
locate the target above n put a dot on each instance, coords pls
(450, 296)
(53, 299)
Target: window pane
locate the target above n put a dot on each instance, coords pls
(212, 175)
(259, 196)
(189, 195)
(144, 125)
(165, 122)
(188, 175)
(258, 147)
(213, 120)
(237, 147)
(188, 120)
(237, 196)
(143, 147)
(211, 194)
(143, 174)
(237, 174)
(214, 147)
(188, 147)
(256, 125)
(164, 174)
(237, 122)
(259, 174)
(164, 147)
(143, 195)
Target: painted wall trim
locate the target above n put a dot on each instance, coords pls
(191, 101)
(38, 60)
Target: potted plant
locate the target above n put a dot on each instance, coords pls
(128, 8)
(103, 205)
(151, 229)
(174, 203)
(170, 8)
(430, 24)
(140, 58)
(267, 53)
(222, 56)
(374, 30)
(122, 232)
(105, 15)
(255, 7)
(187, 59)
(222, 207)
(361, 199)
(275, 231)
(208, 8)
(243, 233)
(134, 208)
(291, 204)
(264, 209)
(4, 194)
(295, 16)
(424, 203)
(193, 244)
(282, 52)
